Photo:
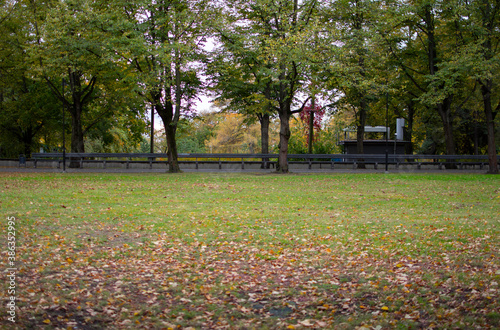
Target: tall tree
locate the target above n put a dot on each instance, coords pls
(74, 56)
(240, 79)
(479, 27)
(425, 45)
(358, 66)
(27, 110)
(166, 49)
(427, 12)
(277, 33)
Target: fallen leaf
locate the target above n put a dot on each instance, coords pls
(306, 323)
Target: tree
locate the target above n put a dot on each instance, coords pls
(479, 24)
(27, 110)
(311, 118)
(242, 82)
(276, 33)
(165, 48)
(122, 132)
(458, 41)
(74, 55)
(27, 113)
(229, 135)
(358, 68)
(425, 44)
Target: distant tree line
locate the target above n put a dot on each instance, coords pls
(102, 66)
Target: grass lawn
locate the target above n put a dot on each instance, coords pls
(253, 251)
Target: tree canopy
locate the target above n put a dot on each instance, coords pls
(101, 66)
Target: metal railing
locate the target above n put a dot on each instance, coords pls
(459, 161)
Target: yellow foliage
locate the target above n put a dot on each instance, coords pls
(235, 135)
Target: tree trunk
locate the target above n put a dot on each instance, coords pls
(27, 149)
(77, 144)
(488, 111)
(264, 120)
(444, 110)
(167, 115)
(486, 86)
(28, 141)
(284, 138)
(173, 163)
(80, 97)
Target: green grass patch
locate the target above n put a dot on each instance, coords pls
(255, 251)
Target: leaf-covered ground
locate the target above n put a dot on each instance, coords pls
(255, 251)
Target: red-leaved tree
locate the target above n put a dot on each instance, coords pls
(305, 117)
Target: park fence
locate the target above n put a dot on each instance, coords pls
(256, 161)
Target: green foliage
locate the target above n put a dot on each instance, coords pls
(121, 135)
(325, 139)
(437, 63)
(267, 46)
(192, 135)
(29, 115)
(164, 50)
